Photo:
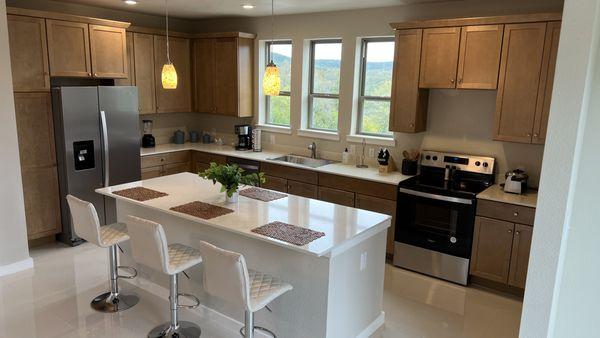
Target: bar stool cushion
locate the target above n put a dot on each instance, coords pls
(113, 234)
(264, 289)
(182, 257)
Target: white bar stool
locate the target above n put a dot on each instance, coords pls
(149, 247)
(87, 226)
(226, 276)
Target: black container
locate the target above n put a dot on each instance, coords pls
(409, 167)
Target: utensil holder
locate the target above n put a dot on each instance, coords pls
(409, 167)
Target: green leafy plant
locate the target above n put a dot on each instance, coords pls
(231, 177)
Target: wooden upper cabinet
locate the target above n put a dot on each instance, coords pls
(130, 79)
(439, 57)
(520, 255)
(143, 51)
(179, 99)
(28, 53)
(546, 82)
(492, 244)
(519, 81)
(479, 57)
(408, 112)
(226, 81)
(108, 47)
(68, 48)
(204, 75)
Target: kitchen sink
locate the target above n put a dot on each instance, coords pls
(302, 160)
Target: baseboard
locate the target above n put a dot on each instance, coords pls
(9, 269)
(374, 326)
(203, 311)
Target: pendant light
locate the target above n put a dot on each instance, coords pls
(272, 80)
(168, 75)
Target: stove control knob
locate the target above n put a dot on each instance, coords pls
(453, 240)
(435, 158)
(477, 163)
(428, 157)
(485, 164)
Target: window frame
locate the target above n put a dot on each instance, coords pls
(312, 94)
(268, 45)
(361, 93)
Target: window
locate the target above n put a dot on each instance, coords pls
(323, 99)
(375, 86)
(277, 110)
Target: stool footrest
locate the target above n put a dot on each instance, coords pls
(186, 295)
(258, 328)
(131, 269)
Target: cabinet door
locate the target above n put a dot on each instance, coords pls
(226, 79)
(204, 75)
(275, 183)
(143, 51)
(336, 196)
(179, 99)
(479, 58)
(383, 206)
(108, 47)
(152, 172)
(408, 112)
(302, 189)
(41, 196)
(200, 166)
(492, 244)
(519, 260)
(130, 80)
(519, 81)
(177, 168)
(28, 53)
(68, 48)
(546, 83)
(439, 57)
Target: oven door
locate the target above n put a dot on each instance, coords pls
(435, 222)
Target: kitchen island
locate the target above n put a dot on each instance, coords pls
(337, 279)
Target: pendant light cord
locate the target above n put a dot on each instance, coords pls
(272, 20)
(167, 29)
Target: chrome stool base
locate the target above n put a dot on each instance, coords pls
(184, 330)
(109, 303)
(257, 328)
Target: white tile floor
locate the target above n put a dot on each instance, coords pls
(53, 301)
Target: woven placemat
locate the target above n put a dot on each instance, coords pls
(202, 210)
(288, 233)
(262, 194)
(140, 194)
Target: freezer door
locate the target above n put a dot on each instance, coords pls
(120, 129)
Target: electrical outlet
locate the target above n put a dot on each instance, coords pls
(272, 139)
(363, 261)
(371, 152)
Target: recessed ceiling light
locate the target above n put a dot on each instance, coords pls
(130, 2)
(248, 6)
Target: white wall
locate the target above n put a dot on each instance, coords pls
(13, 231)
(562, 290)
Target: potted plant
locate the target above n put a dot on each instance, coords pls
(231, 177)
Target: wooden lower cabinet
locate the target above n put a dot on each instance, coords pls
(42, 205)
(492, 244)
(275, 183)
(176, 168)
(152, 172)
(302, 189)
(336, 196)
(519, 260)
(166, 164)
(383, 206)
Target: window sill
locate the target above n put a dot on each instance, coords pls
(275, 129)
(325, 135)
(375, 140)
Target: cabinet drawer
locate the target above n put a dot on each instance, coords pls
(208, 158)
(336, 196)
(176, 168)
(507, 212)
(302, 189)
(275, 183)
(381, 190)
(167, 158)
(152, 172)
(382, 206)
(296, 174)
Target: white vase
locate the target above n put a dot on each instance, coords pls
(233, 198)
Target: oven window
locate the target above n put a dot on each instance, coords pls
(436, 218)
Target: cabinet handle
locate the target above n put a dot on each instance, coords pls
(516, 214)
(95, 74)
(535, 135)
(528, 135)
(459, 81)
(89, 74)
(517, 233)
(412, 125)
(509, 231)
(452, 80)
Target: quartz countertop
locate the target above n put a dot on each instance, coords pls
(343, 226)
(497, 194)
(370, 174)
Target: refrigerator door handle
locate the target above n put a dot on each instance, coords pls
(104, 131)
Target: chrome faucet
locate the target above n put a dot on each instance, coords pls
(313, 150)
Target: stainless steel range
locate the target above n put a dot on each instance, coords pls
(436, 214)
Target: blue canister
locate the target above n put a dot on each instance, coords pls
(206, 138)
(179, 137)
(193, 136)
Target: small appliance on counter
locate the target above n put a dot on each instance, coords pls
(244, 134)
(256, 140)
(148, 140)
(516, 181)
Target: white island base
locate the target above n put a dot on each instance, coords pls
(337, 279)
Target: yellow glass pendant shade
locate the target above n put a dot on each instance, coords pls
(271, 80)
(168, 76)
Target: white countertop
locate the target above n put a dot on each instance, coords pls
(370, 174)
(497, 194)
(343, 226)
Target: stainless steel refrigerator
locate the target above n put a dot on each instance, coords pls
(97, 145)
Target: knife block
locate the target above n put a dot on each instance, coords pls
(386, 169)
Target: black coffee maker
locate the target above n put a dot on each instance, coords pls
(244, 134)
(148, 140)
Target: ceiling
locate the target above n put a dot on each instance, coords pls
(229, 8)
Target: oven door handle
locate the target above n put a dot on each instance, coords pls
(436, 197)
